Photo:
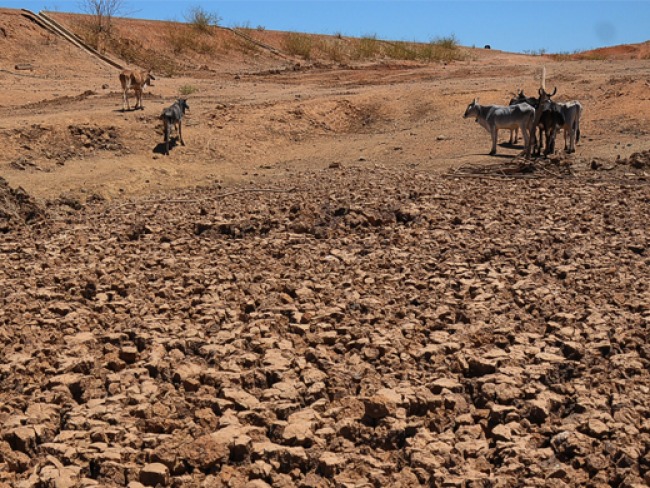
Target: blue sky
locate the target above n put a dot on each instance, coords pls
(513, 25)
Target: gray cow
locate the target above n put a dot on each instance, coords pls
(172, 117)
(495, 117)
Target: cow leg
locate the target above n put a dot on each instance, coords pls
(525, 131)
(166, 128)
(566, 147)
(550, 141)
(180, 132)
(494, 133)
(125, 102)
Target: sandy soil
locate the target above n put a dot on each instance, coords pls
(330, 284)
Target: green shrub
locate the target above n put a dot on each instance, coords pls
(187, 90)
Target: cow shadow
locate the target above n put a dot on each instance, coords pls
(128, 110)
(160, 147)
(511, 146)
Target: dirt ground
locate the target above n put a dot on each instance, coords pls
(330, 284)
(63, 130)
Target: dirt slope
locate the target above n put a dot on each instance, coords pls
(331, 284)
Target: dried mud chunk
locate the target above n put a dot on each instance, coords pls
(378, 407)
(329, 463)
(14, 461)
(154, 474)
(241, 399)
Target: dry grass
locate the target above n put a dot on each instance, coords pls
(367, 47)
(333, 49)
(297, 44)
(184, 38)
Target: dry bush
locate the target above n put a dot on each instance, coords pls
(401, 50)
(183, 38)
(298, 44)
(366, 48)
(202, 20)
(442, 49)
(333, 49)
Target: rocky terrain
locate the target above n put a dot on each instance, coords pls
(331, 284)
(349, 328)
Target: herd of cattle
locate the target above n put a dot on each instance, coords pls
(529, 114)
(525, 114)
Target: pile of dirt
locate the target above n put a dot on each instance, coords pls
(353, 327)
(41, 144)
(16, 207)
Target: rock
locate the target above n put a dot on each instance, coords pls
(594, 428)
(154, 474)
(129, 354)
(446, 384)
(241, 399)
(21, 439)
(329, 464)
(379, 406)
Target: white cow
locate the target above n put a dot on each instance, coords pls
(495, 117)
(572, 112)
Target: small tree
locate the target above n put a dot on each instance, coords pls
(103, 12)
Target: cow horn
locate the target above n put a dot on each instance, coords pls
(554, 92)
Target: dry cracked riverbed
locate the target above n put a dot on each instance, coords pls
(357, 328)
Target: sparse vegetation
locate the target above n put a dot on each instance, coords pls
(202, 20)
(367, 47)
(442, 49)
(401, 50)
(186, 90)
(535, 52)
(333, 49)
(298, 45)
(102, 13)
(183, 38)
(97, 29)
